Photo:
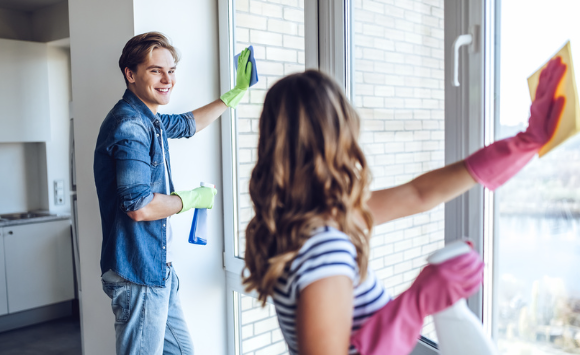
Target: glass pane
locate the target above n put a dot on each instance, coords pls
(398, 90)
(537, 303)
(276, 31)
(260, 334)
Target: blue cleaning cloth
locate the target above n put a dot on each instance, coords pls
(254, 78)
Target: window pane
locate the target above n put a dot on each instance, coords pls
(537, 303)
(260, 334)
(399, 93)
(276, 31)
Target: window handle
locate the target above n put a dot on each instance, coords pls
(459, 42)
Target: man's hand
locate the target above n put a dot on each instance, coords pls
(201, 197)
(244, 71)
(233, 97)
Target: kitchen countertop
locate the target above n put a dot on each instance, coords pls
(18, 222)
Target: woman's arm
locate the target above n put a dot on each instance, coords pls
(420, 194)
(324, 317)
(491, 166)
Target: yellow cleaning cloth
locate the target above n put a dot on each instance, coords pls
(569, 123)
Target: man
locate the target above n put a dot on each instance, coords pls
(136, 196)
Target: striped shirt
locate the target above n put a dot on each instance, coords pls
(329, 252)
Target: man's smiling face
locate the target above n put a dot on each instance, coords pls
(154, 79)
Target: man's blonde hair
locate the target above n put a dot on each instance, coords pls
(138, 48)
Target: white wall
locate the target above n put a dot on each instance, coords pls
(27, 185)
(97, 84)
(19, 184)
(57, 149)
(28, 182)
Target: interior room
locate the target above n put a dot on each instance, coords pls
(432, 82)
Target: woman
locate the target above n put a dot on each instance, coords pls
(308, 243)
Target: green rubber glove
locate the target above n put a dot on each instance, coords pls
(233, 97)
(201, 197)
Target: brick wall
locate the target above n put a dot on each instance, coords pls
(260, 334)
(399, 94)
(275, 28)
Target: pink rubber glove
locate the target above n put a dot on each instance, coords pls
(495, 164)
(395, 328)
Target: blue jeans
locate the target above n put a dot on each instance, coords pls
(148, 320)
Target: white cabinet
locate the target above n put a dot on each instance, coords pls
(3, 295)
(24, 96)
(39, 266)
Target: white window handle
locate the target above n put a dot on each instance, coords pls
(459, 42)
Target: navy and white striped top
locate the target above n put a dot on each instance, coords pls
(329, 252)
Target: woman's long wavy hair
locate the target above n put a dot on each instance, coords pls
(310, 173)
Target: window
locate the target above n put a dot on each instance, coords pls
(536, 301)
(391, 59)
(275, 29)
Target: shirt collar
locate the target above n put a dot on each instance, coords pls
(138, 105)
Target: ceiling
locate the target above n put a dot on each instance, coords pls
(27, 5)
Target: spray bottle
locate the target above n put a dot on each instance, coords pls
(459, 331)
(198, 231)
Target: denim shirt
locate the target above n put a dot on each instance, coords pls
(128, 169)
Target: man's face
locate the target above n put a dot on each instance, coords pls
(154, 79)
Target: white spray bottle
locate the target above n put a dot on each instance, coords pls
(198, 231)
(459, 331)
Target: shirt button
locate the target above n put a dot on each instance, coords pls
(164, 225)
(157, 134)
(163, 247)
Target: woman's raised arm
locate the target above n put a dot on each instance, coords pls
(420, 194)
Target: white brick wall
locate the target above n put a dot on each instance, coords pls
(260, 334)
(275, 28)
(399, 94)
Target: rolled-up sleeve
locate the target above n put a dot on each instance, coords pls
(130, 148)
(179, 126)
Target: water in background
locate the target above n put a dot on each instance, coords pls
(538, 261)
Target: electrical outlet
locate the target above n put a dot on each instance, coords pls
(59, 192)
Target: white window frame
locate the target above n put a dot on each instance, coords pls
(465, 132)
(491, 13)
(470, 112)
(230, 195)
